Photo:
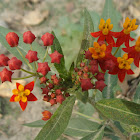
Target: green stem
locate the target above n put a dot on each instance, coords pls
(116, 51)
(27, 71)
(22, 77)
(116, 130)
(97, 120)
(24, 58)
(45, 54)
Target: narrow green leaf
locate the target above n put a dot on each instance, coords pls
(96, 135)
(71, 68)
(120, 110)
(110, 81)
(58, 122)
(60, 67)
(87, 40)
(80, 127)
(38, 123)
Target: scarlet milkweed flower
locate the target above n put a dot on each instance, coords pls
(101, 54)
(124, 35)
(105, 33)
(134, 52)
(123, 66)
(23, 94)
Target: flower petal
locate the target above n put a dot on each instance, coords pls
(31, 97)
(23, 105)
(101, 38)
(110, 40)
(129, 72)
(121, 75)
(29, 86)
(12, 99)
(96, 34)
(17, 84)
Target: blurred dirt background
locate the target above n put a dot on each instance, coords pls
(42, 16)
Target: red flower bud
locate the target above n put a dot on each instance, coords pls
(82, 64)
(93, 62)
(52, 102)
(76, 69)
(56, 81)
(88, 55)
(3, 60)
(100, 76)
(53, 77)
(86, 84)
(60, 98)
(94, 69)
(31, 56)
(85, 75)
(56, 57)
(67, 94)
(80, 73)
(14, 63)
(52, 95)
(86, 69)
(58, 91)
(12, 39)
(28, 37)
(46, 98)
(5, 75)
(43, 68)
(109, 65)
(46, 115)
(50, 85)
(47, 39)
(43, 80)
(100, 85)
(45, 90)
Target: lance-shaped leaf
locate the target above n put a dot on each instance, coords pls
(98, 135)
(38, 123)
(120, 110)
(58, 122)
(110, 81)
(60, 67)
(87, 40)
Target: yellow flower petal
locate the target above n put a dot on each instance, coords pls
(130, 60)
(103, 47)
(108, 21)
(21, 88)
(121, 66)
(127, 67)
(27, 92)
(15, 91)
(125, 56)
(17, 98)
(95, 56)
(102, 54)
(119, 59)
(91, 49)
(105, 31)
(110, 26)
(24, 99)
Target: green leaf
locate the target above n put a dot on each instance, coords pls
(81, 127)
(120, 110)
(58, 122)
(22, 46)
(87, 40)
(134, 137)
(71, 68)
(60, 67)
(96, 135)
(38, 123)
(82, 96)
(110, 81)
(110, 11)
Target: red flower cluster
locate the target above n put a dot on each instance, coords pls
(102, 53)
(53, 92)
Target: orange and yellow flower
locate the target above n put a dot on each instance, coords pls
(23, 94)
(105, 33)
(123, 66)
(124, 35)
(134, 52)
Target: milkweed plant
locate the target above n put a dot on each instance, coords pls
(99, 56)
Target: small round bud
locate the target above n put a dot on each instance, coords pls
(28, 37)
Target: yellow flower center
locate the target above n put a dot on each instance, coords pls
(21, 94)
(137, 46)
(129, 25)
(97, 50)
(105, 27)
(124, 62)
